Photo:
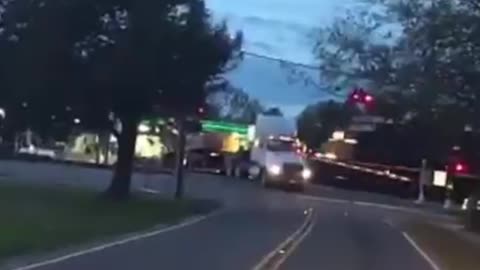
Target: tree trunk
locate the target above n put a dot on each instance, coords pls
(97, 152)
(104, 145)
(120, 186)
(180, 156)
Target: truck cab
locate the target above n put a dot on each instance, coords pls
(276, 154)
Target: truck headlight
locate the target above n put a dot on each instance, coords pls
(307, 173)
(275, 169)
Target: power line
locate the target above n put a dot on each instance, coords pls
(307, 79)
(281, 60)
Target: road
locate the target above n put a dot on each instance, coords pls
(347, 237)
(346, 233)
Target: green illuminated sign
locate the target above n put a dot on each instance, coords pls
(213, 126)
(208, 126)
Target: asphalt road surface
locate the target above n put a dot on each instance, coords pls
(232, 240)
(345, 236)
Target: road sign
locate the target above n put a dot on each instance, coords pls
(440, 178)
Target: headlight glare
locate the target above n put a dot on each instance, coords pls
(275, 169)
(307, 173)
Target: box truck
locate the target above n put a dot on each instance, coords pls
(276, 156)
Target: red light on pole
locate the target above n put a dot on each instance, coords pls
(368, 98)
(460, 168)
(360, 96)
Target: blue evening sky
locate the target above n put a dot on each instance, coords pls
(280, 29)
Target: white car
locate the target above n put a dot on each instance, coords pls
(37, 151)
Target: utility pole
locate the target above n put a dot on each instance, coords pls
(422, 181)
(447, 204)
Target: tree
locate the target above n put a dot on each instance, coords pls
(317, 122)
(420, 57)
(234, 104)
(130, 59)
(25, 82)
(274, 111)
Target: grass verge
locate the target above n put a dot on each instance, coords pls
(450, 249)
(42, 219)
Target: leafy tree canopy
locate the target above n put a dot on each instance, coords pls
(421, 57)
(112, 59)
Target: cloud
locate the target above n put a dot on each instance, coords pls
(280, 29)
(268, 81)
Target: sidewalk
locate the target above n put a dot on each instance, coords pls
(450, 246)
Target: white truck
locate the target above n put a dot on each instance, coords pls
(275, 154)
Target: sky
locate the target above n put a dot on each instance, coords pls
(280, 29)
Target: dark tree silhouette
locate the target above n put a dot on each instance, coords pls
(114, 61)
(275, 111)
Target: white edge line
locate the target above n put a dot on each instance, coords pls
(376, 205)
(141, 236)
(290, 238)
(360, 203)
(148, 190)
(324, 199)
(380, 205)
(425, 256)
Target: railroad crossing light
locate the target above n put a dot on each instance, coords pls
(460, 168)
(359, 95)
(368, 98)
